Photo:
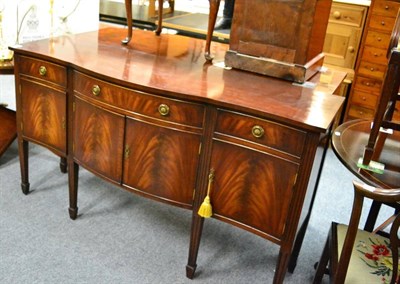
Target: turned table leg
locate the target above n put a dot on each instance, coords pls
(128, 9)
(160, 17)
(212, 17)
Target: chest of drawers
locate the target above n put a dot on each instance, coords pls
(372, 62)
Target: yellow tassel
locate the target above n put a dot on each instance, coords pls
(205, 209)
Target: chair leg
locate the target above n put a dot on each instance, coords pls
(322, 264)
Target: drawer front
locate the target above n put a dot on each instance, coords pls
(43, 70)
(377, 39)
(376, 71)
(382, 23)
(364, 99)
(361, 112)
(368, 85)
(171, 110)
(375, 55)
(386, 8)
(347, 15)
(267, 133)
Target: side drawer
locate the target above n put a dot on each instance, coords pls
(361, 112)
(264, 132)
(386, 8)
(377, 39)
(171, 110)
(375, 55)
(43, 70)
(376, 71)
(382, 23)
(364, 99)
(351, 15)
(368, 85)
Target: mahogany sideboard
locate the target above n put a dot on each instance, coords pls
(154, 118)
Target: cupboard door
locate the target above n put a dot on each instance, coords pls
(341, 45)
(161, 162)
(44, 115)
(251, 188)
(98, 139)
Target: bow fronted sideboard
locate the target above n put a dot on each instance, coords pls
(155, 119)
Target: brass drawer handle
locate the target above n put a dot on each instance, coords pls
(42, 71)
(96, 90)
(257, 131)
(163, 109)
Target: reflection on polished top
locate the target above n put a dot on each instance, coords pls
(174, 65)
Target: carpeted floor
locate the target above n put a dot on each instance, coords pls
(120, 237)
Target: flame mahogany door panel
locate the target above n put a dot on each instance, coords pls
(44, 115)
(255, 163)
(252, 188)
(98, 139)
(161, 161)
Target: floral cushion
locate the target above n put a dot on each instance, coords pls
(371, 260)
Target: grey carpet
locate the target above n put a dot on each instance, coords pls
(120, 237)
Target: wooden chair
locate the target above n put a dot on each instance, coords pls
(383, 123)
(359, 256)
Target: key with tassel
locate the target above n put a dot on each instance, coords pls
(205, 209)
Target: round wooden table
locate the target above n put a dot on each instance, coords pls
(348, 142)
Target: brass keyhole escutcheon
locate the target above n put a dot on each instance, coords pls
(96, 90)
(163, 109)
(257, 131)
(42, 70)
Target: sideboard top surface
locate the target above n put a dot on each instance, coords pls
(175, 66)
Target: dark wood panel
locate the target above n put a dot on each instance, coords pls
(43, 70)
(44, 114)
(273, 135)
(251, 187)
(139, 102)
(98, 139)
(161, 162)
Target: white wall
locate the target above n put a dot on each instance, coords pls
(41, 23)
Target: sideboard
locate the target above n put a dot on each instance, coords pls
(155, 119)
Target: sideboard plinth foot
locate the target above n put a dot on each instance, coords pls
(25, 187)
(73, 213)
(190, 270)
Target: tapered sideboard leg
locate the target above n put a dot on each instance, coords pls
(73, 189)
(63, 165)
(281, 267)
(23, 147)
(197, 229)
